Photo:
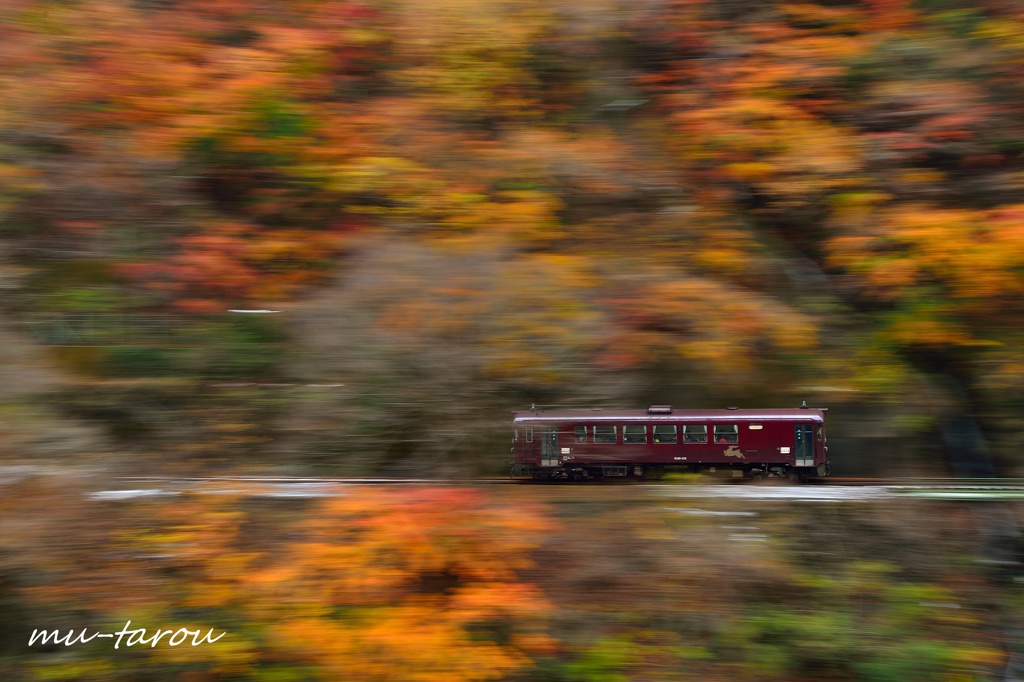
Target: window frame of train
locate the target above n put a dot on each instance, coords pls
(601, 432)
(666, 434)
(803, 445)
(730, 432)
(580, 432)
(698, 434)
(634, 434)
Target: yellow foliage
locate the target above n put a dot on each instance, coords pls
(750, 171)
(1005, 32)
(918, 331)
(467, 57)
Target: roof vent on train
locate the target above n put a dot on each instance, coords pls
(732, 407)
(659, 409)
(803, 404)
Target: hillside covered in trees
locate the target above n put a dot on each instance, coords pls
(462, 207)
(447, 210)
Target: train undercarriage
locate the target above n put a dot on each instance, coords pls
(657, 471)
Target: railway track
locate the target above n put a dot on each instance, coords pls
(130, 487)
(917, 482)
(497, 480)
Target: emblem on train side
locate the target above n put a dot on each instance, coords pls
(733, 451)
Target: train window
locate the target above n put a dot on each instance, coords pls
(726, 433)
(634, 433)
(529, 434)
(604, 433)
(695, 433)
(581, 434)
(664, 433)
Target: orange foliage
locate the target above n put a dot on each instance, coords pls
(416, 584)
(906, 254)
(972, 254)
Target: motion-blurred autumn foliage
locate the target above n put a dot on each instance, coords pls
(746, 195)
(460, 208)
(426, 582)
(438, 584)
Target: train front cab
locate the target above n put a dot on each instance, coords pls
(810, 450)
(536, 450)
(533, 446)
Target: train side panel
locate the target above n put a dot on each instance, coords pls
(777, 442)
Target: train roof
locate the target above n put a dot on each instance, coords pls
(666, 413)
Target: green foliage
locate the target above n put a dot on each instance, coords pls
(240, 347)
(864, 624)
(607, 660)
(140, 361)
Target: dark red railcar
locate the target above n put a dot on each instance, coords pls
(585, 444)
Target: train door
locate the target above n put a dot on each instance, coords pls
(548, 446)
(804, 445)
